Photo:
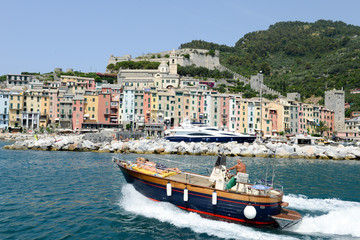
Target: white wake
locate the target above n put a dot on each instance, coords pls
(334, 216)
(136, 203)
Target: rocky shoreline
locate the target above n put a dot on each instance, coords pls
(105, 143)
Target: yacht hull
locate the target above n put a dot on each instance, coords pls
(241, 139)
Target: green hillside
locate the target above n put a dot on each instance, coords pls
(297, 56)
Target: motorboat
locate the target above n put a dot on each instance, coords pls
(218, 196)
(199, 132)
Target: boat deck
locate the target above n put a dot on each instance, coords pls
(191, 179)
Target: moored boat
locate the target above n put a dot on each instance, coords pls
(217, 196)
(198, 132)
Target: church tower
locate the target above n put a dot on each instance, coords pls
(173, 62)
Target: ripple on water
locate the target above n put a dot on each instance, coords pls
(59, 195)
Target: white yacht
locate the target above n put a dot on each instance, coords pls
(199, 132)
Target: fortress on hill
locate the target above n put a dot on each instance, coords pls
(185, 57)
(197, 57)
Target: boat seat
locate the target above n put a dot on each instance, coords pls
(242, 178)
(239, 187)
(241, 183)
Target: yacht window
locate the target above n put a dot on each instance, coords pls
(212, 129)
(199, 134)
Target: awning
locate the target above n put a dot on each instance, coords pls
(86, 115)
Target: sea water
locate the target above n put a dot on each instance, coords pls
(74, 195)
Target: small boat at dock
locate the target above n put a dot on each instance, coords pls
(217, 196)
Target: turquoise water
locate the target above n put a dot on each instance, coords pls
(70, 195)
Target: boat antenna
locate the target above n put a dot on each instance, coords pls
(267, 166)
(273, 174)
(261, 80)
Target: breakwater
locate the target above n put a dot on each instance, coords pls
(103, 143)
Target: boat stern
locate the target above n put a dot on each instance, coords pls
(287, 218)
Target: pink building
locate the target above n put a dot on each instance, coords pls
(114, 91)
(224, 111)
(54, 108)
(238, 116)
(274, 118)
(328, 117)
(104, 107)
(201, 105)
(147, 106)
(78, 112)
(301, 119)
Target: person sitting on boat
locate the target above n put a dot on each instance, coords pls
(240, 167)
(146, 164)
(163, 167)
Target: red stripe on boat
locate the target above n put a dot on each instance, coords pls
(225, 217)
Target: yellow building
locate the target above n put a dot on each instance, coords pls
(74, 83)
(45, 109)
(243, 128)
(154, 106)
(279, 108)
(178, 105)
(32, 100)
(31, 109)
(186, 105)
(16, 106)
(308, 116)
(266, 120)
(91, 102)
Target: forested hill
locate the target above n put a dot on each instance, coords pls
(297, 56)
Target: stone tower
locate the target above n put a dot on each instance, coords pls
(173, 62)
(335, 100)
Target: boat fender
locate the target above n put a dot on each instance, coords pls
(250, 212)
(214, 198)
(168, 189)
(284, 204)
(186, 195)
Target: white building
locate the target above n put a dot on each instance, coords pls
(127, 106)
(4, 108)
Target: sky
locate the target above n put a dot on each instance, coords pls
(38, 36)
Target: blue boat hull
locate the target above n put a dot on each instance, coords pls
(248, 139)
(200, 201)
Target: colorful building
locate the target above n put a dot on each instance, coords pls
(4, 108)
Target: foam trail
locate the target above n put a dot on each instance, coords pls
(302, 202)
(343, 221)
(340, 217)
(134, 202)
